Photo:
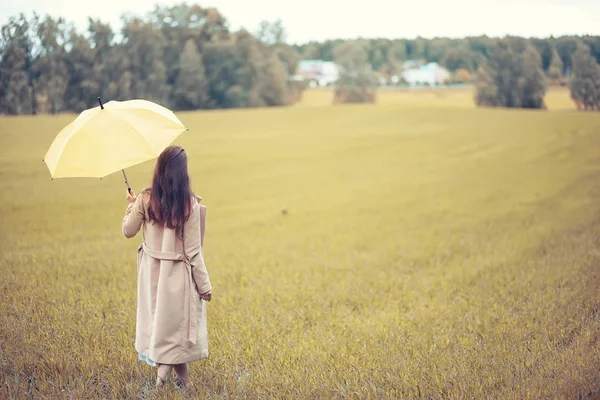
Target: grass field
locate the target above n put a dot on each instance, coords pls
(419, 248)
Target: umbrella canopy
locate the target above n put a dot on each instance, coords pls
(111, 137)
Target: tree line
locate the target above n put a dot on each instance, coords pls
(183, 57)
(385, 56)
(186, 58)
(513, 76)
(507, 72)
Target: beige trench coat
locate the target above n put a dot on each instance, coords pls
(171, 317)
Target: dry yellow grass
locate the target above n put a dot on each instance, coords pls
(428, 250)
(557, 98)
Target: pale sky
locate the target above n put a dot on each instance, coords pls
(307, 20)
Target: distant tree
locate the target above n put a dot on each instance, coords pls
(274, 88)
(417, 48)
(124, 86)
(272, 36)
(144, 45)
(585, 81)
(102, 72)
(222, 65)
(289, 57)
(396, 54)
(82, 89)
(397, 50)
(512, 77)
(190, 91)
(532, 83)
(377, 51)
(181, 22)
(50, 69)
(250, 72)
(566, 47)
(486, 91)
(106, 62)
(459, 58)
(357, 83)
(437, 49)
(275, 82)
(271, 32)
(16, 62)
(555, 69)
(593, 42)
(309, 51)
(482, 45)
(156, 87)
(326, 52)
(504, 69)
(545, 48)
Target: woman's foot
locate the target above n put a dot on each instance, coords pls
(183, 373)
(179, 385)
(163, 374)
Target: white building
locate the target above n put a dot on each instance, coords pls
(318, 72)
(431, 74)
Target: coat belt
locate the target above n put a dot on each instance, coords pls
(172, 256)
(163, 255)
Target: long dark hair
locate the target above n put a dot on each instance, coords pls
(171, 196)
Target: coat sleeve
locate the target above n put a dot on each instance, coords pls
(193, 248)
(134, 217)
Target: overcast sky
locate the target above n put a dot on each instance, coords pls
(326, 19)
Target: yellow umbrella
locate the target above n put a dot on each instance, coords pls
(105, 139)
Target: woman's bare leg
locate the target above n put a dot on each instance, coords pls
(164, 370)
(183, 372)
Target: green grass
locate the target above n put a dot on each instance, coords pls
(427, 249)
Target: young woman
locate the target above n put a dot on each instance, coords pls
(172, 283)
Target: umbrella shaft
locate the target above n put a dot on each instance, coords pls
(127, 183)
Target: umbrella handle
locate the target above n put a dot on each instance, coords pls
(127, 183)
